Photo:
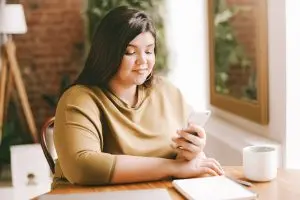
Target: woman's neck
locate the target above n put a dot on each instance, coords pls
(128, 94)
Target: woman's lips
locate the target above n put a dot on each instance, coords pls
(141, 71)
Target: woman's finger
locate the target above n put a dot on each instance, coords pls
(180, 142)
(193, 128)
(190, 137)
(208, 170)
(211, 164)
(217, 164)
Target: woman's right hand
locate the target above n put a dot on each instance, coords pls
(197, 167)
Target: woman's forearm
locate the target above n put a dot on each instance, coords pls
(138, 169)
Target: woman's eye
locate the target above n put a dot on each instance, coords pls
(129, 52)
(149, 52)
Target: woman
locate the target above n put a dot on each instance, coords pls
(118, 123)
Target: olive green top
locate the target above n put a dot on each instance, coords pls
(92, 126)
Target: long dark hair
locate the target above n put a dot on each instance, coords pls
(120, 26)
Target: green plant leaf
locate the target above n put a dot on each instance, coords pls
(227, 50)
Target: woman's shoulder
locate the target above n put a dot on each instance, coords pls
(77, 91)
(79, 99)
(78, 94)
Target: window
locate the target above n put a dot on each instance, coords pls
(238, 57)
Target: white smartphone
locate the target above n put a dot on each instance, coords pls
(199, 118)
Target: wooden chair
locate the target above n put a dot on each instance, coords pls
(43, 139)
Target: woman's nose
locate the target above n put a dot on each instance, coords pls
(141, 59)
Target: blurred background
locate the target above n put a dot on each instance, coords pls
(206, 49)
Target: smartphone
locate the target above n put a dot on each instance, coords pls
(199, 118)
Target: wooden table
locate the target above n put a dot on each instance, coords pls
(285, 187)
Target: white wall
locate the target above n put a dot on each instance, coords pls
(292, 83)
(187, 33)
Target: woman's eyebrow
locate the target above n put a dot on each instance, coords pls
(132, 45)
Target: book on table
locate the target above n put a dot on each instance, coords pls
(212, 188)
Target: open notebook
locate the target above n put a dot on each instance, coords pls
(212, 188)
(145, 194)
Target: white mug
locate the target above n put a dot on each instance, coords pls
(260, 163)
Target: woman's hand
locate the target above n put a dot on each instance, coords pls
(197, 167)
(190, 143)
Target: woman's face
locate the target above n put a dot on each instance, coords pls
(138, 61)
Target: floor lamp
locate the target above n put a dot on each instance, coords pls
(12, 21)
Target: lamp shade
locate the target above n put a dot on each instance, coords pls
(12, 19)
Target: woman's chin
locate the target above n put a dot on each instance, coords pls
(140, 80)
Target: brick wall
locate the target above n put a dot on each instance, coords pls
(245, 32)
(52, 47)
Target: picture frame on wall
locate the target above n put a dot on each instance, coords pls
(238, 57)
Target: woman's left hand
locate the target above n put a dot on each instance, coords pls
(190, 143)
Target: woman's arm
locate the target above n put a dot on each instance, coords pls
(137, 169)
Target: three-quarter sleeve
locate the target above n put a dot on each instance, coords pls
(78, 140)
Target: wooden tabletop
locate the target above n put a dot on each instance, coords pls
(285, 187)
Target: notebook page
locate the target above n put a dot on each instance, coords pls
(212, 188)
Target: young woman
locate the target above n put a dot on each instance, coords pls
(119, 123)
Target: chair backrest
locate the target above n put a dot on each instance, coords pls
(45, 145)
